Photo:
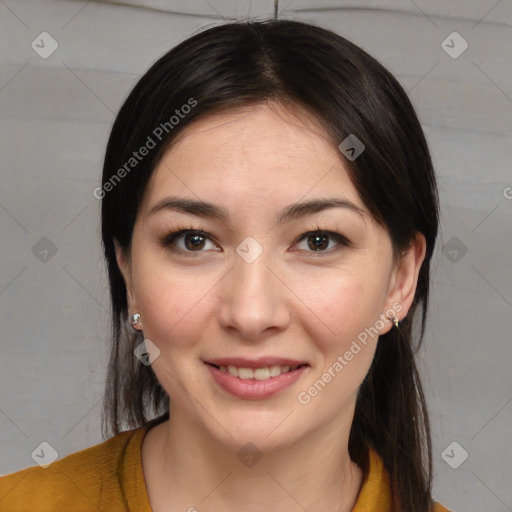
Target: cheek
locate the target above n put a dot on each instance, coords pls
(341, 307)
(342, 328)
(174, 305)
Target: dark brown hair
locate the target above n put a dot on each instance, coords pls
(350, 92)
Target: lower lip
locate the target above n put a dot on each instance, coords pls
(253, 389)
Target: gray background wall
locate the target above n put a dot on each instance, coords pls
(56, 113)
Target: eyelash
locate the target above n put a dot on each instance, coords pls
(178, 231)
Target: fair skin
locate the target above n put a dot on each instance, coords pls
(292, 301)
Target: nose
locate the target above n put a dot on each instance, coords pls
(254, 299)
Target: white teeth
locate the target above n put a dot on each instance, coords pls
(233, 370)
(263, 373)
(245, 373)
(275, 371)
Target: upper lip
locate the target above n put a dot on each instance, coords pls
(261, 362)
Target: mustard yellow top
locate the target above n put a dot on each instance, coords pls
(108, 477)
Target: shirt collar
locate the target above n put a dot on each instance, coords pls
(374, 495)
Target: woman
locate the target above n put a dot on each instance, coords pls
(269, 212)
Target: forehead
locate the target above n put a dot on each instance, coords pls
(261, 154)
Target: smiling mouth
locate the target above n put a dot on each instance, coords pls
(262, 373)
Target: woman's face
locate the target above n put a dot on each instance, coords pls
(251, 290)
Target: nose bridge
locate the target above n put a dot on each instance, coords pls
(253, 300)
(251, 274)
(254, 272)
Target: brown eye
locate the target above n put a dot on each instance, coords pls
(193, 241)
(318, 241)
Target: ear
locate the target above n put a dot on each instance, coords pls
(404, 280)
(124, 264)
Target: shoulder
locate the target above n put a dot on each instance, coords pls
(440, 508)
(86, 479)
(375, 493)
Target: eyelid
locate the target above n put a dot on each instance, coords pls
(179, 231)
(338, 237)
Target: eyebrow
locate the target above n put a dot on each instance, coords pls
(293, 211)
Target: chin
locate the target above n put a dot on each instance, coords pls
(267, 434)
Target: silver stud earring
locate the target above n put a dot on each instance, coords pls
(135, 320)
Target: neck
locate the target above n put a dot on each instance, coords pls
(190, 469)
